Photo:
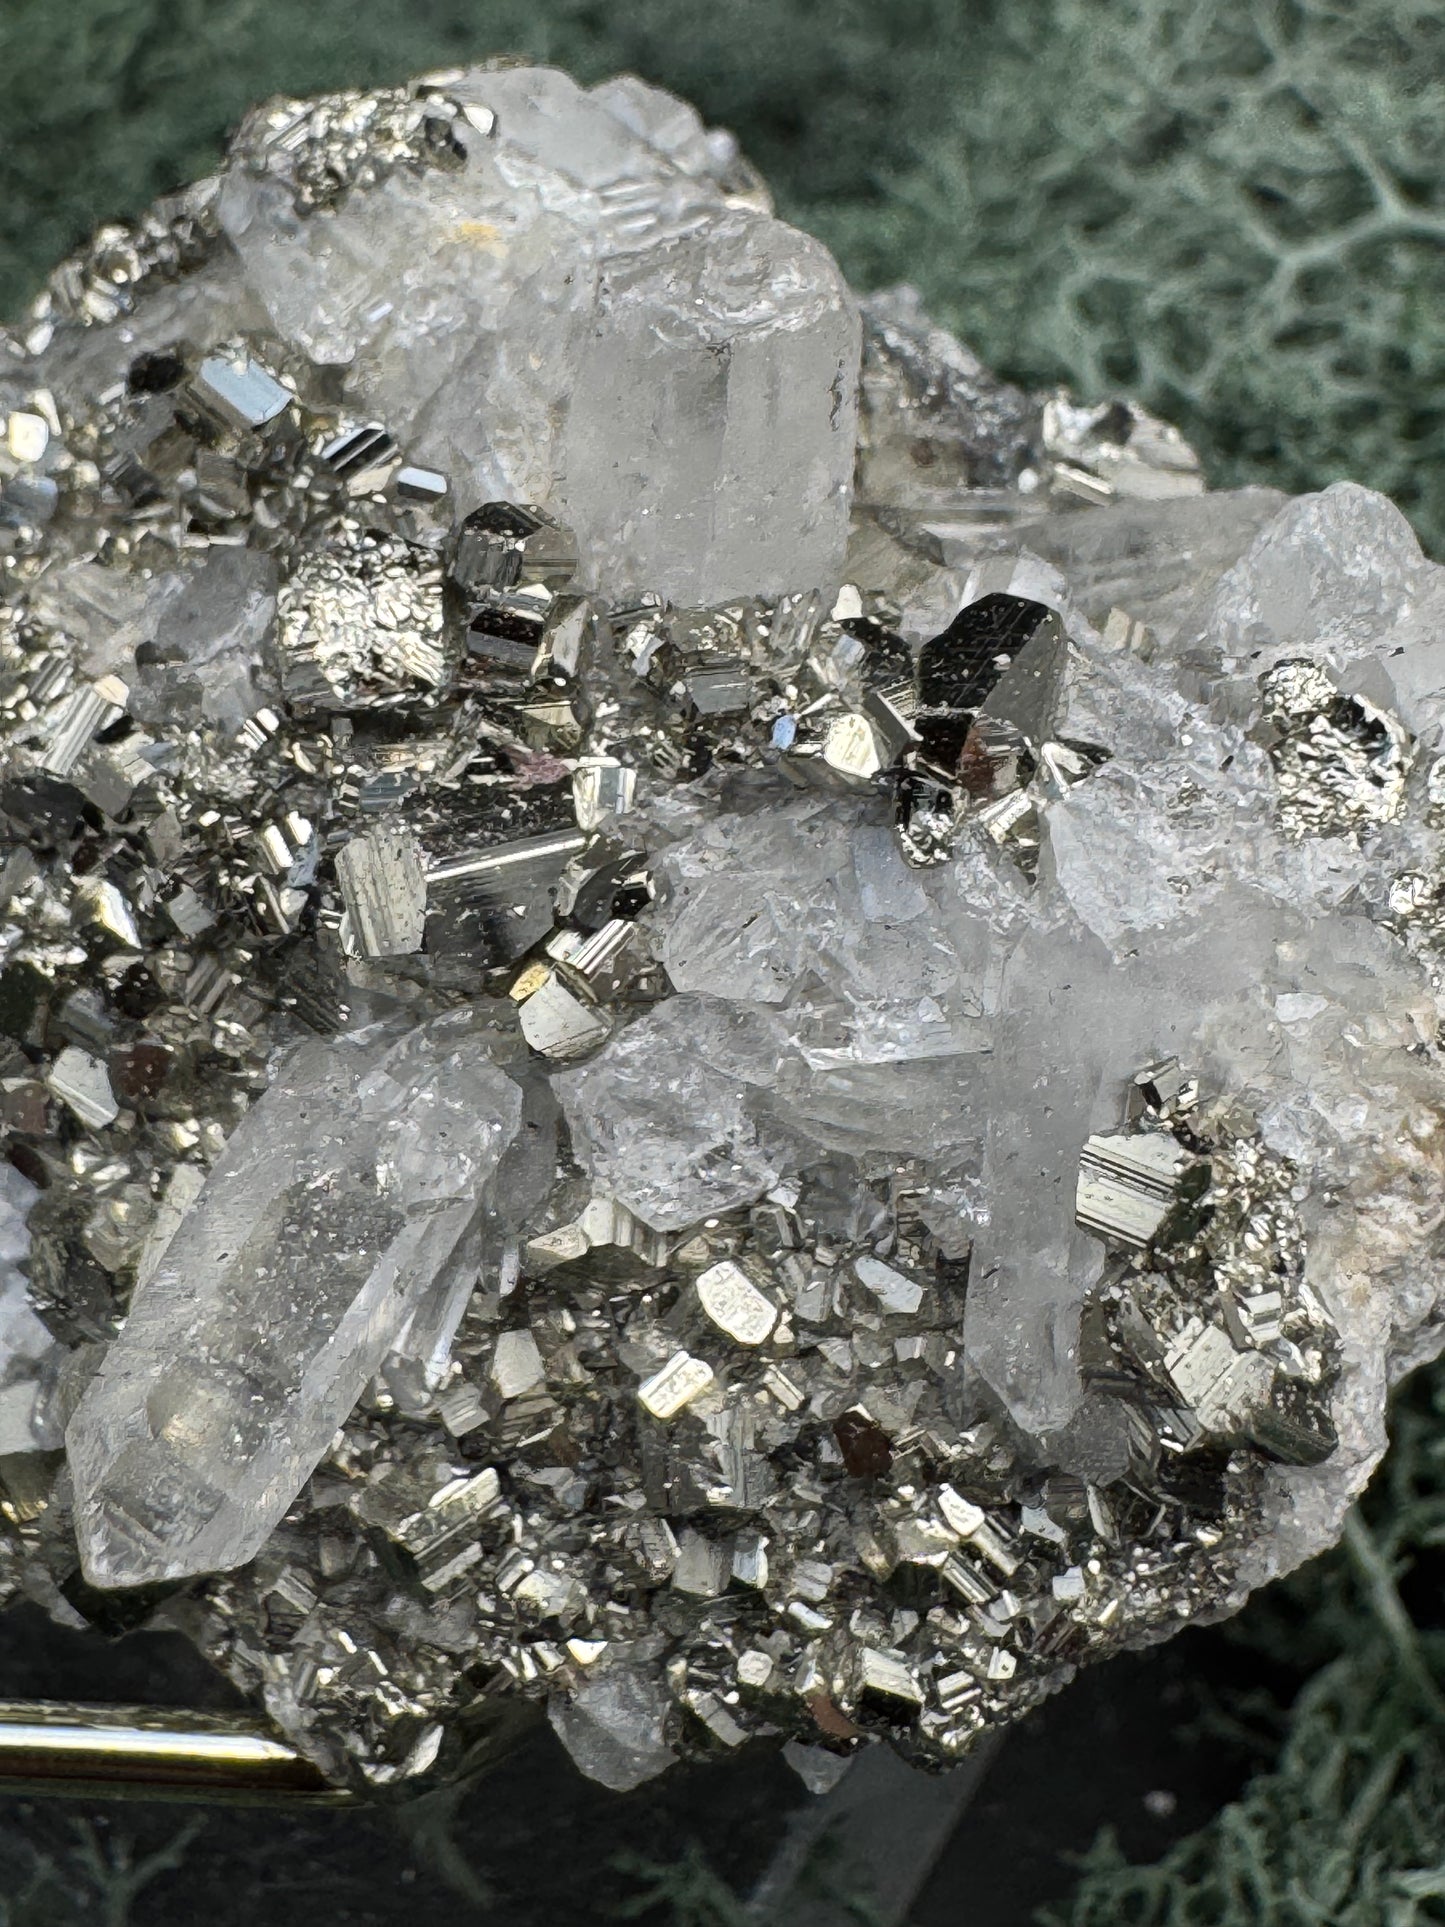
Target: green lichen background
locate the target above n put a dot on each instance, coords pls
(1233, 210)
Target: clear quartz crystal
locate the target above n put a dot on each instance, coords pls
(725, 362)
(613, 1727)
(334, 1205)
(856, 1149)
(572, 317)
(203, 658)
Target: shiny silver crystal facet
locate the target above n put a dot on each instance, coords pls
(243, 394)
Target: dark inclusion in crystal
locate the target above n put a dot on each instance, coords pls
(1294, 1430)
(958, 669)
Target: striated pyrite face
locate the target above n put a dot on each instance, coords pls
(701, 1018)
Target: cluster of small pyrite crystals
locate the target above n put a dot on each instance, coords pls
(826, 1553)
(691, 1487)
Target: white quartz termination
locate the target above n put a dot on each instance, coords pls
(583, 316)
(335, 1204)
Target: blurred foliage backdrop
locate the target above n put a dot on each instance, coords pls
(1232, 209)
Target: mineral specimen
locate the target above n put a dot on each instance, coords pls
(738, 1039)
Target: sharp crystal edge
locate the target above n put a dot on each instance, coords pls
(765, 1062)
(337, 1200)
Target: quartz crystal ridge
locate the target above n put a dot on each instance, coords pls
(338, 1199)
(738, 1040)
(572, 305)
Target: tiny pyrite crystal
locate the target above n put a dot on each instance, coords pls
(701, 1017)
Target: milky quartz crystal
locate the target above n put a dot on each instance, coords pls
(701, 1017)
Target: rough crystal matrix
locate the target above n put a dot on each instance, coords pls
(744, 1042)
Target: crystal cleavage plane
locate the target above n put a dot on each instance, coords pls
(701, 1017)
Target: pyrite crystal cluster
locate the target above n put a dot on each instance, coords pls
(702, 1017)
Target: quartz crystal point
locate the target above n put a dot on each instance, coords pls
(333, 1207)
(202, 658)
(575, 310)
